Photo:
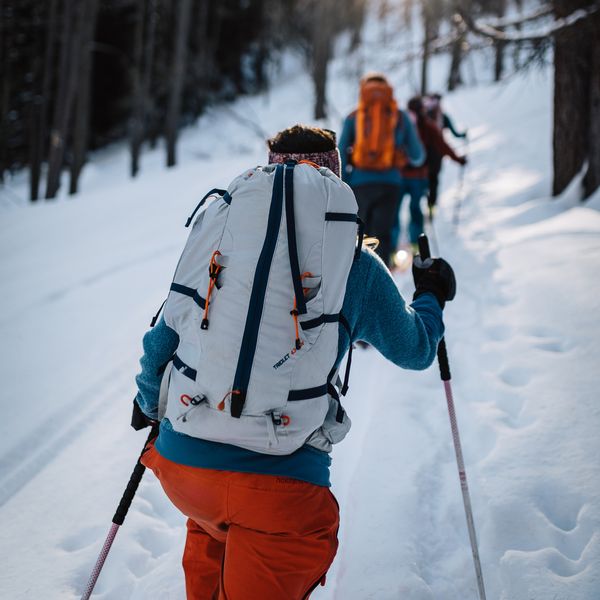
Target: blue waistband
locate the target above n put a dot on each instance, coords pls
(306, 464)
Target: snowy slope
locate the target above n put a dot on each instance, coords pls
(82, 277)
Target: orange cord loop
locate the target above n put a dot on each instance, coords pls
(221, 405)
(214, 268)
(309, 162)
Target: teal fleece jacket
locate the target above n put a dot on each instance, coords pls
(377, 314)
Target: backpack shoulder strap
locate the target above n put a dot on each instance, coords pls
(400, 123)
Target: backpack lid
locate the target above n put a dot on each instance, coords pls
(376, 91)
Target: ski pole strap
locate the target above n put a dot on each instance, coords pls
(345, 385)
(339, 415)
(134, 482)
(334, 393)
(443, 363)
(346, 326)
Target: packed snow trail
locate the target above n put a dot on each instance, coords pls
(82, 278)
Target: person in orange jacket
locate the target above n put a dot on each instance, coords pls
(377, 138)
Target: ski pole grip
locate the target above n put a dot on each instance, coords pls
(424, 251)
(443, 363)
(132, 485)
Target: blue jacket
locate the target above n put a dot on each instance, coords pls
(407, 139)
(376, 313)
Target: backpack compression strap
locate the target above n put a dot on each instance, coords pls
(257, 297)
(291, 233)
(283, 181)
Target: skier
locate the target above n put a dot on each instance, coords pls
(433, 107)
(377, 139)
(415, 180)
(261, 524)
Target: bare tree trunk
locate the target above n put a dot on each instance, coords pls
(182, 28)
(498, 44)
(322, 47)
(208, 25)
(572, 75)
(149, 49)
(33, 117)
(6, 27)
(67, 85)
(407, 12)
(35, 107)
(202, 63)
(591, 181)
(138, 100)
(427, 34)
(358, 9)
(517, 45)
(39, 142)
(260, 54)
(499, 60)
(82, 113)
(455, 77)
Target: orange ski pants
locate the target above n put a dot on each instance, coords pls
(250, 536)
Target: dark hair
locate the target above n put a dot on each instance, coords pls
(302, 139)
(416, 105)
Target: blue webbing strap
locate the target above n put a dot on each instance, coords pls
(291, 234)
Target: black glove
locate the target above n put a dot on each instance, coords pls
(462, 160)
(139, 420)
(436, 276)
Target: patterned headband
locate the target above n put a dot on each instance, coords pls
(329, 159)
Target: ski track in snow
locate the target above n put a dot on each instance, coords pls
(21, 463)
(109, 272)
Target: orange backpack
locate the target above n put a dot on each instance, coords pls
(376, 119)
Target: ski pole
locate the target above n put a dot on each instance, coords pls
(459, 197)
(432, 231)
(460, 192)
(119, 517)
(442, 356)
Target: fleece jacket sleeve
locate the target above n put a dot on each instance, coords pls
(448, 124)
(377, 313)
(159, 344)
(440, 144)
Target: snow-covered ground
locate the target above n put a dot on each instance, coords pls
(81, 278)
